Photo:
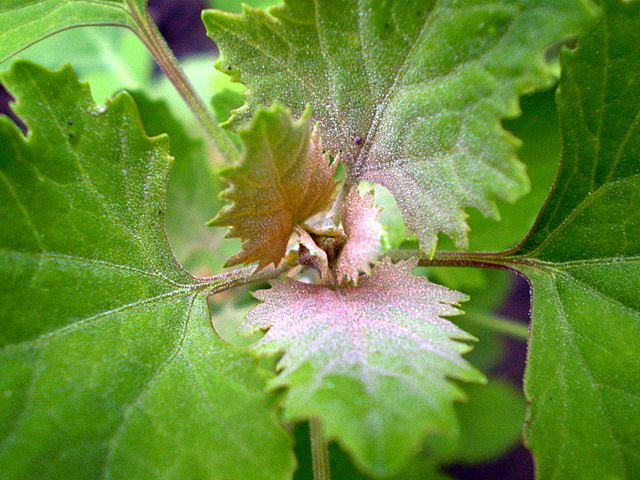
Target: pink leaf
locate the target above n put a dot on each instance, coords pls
(373, 361)
(365, 237)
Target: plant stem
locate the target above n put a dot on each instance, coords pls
(241, 276)
(503, 325)
(443, 258)
(319, 451)
(148, 32)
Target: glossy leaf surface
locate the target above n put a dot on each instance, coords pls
(373, 361)
(411, 92)
(107, 356)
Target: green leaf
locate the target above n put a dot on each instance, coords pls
(235, 6)
(192, 194)
(373, 361)
(582, 258)
(539, 131)
(109, 367)
(112, 59)
(412, 93)
(490, 422)
(24, 22)
(109, 58)
(283, 179)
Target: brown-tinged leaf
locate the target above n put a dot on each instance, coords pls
(310, 255)
(365, 237)
(412, 93)
(373, 361)
(283, 178)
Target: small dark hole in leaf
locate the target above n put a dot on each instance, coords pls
(553, 52)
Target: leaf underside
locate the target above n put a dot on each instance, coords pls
(283, 179)
(373, 361)
(24, 22)
(109, 367)
(583, 261)
(411, 93)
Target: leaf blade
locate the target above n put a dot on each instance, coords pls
(283, 178)
(391, 97)
(582, 259)
(360, 358)
(97, 315)
(192, 194)
(24, 22)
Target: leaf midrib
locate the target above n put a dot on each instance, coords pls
(587, 201)
(358, 169)
(81, 322)
(147, 386)
(86, 260)
(597, 393)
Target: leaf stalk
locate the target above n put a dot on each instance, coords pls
(319, 450)
(148, 32)
(239, 277)
(505, 326)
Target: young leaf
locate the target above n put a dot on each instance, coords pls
(109, 367)
(24, 22)
(411, 93)
(365, 237)
(373, 361)
(282, 180)
(582, 258)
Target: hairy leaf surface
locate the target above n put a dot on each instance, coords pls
(373, 361)
(283, 179)
(24, 22)
(192, 193)
(109, 367)
(411, 92)
(583, 259)
(365, 237)
(539, 131)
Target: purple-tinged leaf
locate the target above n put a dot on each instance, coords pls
(373, 361)
(365, 237)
